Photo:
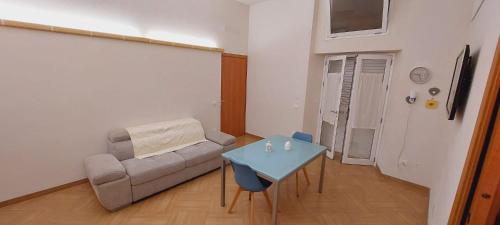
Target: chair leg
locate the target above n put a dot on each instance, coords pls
(238, 192)
(307, 176)
(252, 208)
(268, 200)
(297, 184)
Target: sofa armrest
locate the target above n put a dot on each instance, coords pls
(220, 138)
(103, 168)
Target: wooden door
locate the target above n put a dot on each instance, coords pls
(486, 202)
(233, 94)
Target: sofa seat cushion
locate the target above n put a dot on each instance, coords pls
(199, 153)
(151, 168)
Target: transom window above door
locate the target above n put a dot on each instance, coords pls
(358, 17)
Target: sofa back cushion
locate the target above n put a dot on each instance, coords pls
(122, 150)
(118, 135)
(119, 144)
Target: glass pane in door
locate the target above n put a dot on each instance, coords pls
(326, 134)
(361, 143)
(335, 66)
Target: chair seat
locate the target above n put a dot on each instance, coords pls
(247, 178)
(265, 183)
(151, 168)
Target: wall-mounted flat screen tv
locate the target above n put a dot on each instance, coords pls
(460, 83)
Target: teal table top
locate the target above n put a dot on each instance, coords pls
(279, 163)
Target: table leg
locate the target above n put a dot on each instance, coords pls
(275, 202)
(223, 184)
(322, 175)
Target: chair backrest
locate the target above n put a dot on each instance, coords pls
(246, 177)
(303, 136)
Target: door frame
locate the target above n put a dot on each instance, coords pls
(477, 142)
(378, 133)
(319, 122)
(485, 200)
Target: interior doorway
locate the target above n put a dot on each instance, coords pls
(233, 94)
(353, 96)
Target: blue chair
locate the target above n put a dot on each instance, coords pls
(248, 180)
(303, 136)
(308, 138)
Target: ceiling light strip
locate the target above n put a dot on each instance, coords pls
(41, 27)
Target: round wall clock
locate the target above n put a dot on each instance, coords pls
(420, 75)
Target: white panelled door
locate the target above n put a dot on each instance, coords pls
(366, 108)
(331, 91)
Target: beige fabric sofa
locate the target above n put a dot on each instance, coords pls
(119, 179)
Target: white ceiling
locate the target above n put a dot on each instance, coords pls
(250, 2)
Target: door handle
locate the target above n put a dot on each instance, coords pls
(333, 111)
(486, 196)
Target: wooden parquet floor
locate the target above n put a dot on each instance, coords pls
(353, 195)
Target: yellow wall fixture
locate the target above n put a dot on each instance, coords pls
(54, 21)
(431, 103)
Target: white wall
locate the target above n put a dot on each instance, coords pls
(421, 33)
(60, 94)
(223, 21)
(278, 56)
(483, 37)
